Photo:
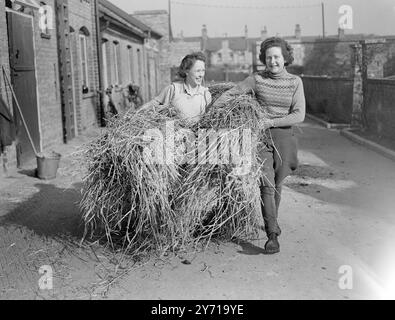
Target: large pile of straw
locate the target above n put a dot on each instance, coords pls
(219, 198)
(124, 196)
(138, 205)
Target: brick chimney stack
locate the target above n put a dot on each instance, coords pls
(204, 38)
(264, 34)
(298, 31)
(340, 34)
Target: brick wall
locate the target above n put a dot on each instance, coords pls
(331, 58)
(47, 75)
(380, 108)
(335, 58)
(82, 14)
(381, 59)
(329, 98)
(159, 21)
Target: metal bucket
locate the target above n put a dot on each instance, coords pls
(47, 165)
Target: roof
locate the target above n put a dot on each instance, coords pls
(124, 15)
(150, 12)
(240, 43)
(188, 39)
(28, 3)
(235, 43)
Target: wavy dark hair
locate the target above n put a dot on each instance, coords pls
(286, 49)
(188, 62)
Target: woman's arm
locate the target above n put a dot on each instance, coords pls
(207, 97)
(246, 86)
(164, 98)
(298, 108)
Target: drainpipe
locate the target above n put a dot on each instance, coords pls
(100, 90)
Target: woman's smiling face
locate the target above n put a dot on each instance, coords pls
(274, 60)
(195, 75)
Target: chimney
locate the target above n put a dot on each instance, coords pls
(204, 31)
(246, 38)
(340, 33)
(298, 31)
(204, 38)
(264, 34)
(182, 35)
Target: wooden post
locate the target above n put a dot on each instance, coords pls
(356, 117)
(323, 19)
(66, 85)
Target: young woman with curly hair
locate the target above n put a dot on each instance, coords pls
(281, 95)
(189, 97)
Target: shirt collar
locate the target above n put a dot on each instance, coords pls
(186, 89)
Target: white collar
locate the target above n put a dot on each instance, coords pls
(199, 90)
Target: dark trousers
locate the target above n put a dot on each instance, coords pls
(280, 154)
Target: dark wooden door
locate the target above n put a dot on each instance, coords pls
(23, 77)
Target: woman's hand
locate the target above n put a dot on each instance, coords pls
(266, 123)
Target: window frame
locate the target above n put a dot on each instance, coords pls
(84, 61)
(117, 71)
(130, 63)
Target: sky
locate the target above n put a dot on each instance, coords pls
(280, 16)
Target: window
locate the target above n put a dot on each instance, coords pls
(130, 62)
(219, 57)
(84, 64)
(106, 76)
(117, 60)
(140, 64)
(45, 20)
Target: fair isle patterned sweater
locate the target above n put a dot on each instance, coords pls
(281, 95)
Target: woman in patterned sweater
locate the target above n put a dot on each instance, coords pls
(282, 96)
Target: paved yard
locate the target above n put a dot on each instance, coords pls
(337, 217)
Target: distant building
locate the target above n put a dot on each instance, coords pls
(61, 56)
(233, 53)
(52, 63)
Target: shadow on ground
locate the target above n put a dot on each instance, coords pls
(247, 248)
(51, 212)
(29, 172)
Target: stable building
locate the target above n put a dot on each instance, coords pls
(49, 51)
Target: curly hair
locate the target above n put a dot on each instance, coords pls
(188, 62)
(286, 49)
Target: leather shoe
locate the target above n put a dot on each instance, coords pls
(272, 245)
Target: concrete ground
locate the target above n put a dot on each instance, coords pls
(337, 218)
